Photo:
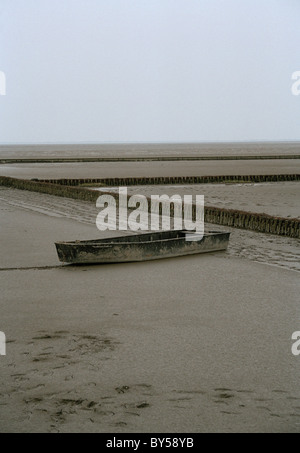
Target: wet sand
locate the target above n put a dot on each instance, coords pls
(258, 247)
(150, 169)
(192, 344)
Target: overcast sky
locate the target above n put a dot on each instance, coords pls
(149, 70)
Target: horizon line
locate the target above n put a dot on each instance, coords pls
(148, 142)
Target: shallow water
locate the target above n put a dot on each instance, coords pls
(144, 169)
(148, 149)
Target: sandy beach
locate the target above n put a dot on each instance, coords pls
(193, 344)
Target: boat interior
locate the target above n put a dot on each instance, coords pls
(148, 237)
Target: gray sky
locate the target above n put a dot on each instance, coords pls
(149, 70)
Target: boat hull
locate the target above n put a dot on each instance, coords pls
(141, 247)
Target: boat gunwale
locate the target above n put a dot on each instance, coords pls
(97, 242)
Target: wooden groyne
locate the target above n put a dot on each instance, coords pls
(160, 180)
(78, 193)
(262, 223)
(57, 160)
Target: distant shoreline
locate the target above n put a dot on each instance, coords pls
(130, 152)
(163, 143)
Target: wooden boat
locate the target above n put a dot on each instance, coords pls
(141, 247)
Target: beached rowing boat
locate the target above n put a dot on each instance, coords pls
(141, 247)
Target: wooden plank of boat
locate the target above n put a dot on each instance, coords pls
(141, 247)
